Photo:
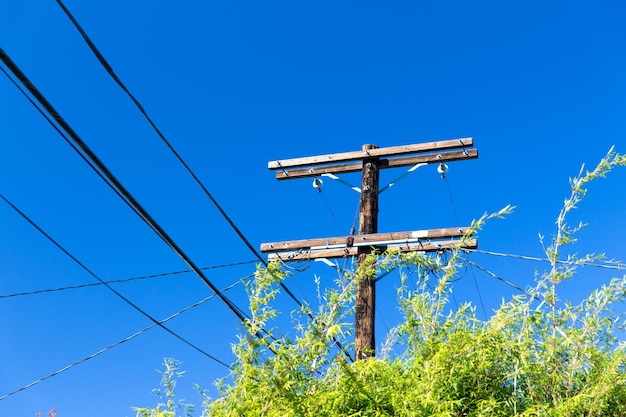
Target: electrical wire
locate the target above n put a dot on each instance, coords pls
(140, 107)
(458, 221)
(134, 335)
(119, 82)
(499, 278)
(292, 275)
(608, 265)
(112, 73)
(117, 281)
(98, 166)
(480, 297)
(332, 214)
(456, 215)
(93, 274)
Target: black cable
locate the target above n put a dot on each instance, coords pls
(330, 209)
(480, 297)
(111, 346)
(90, 272)
(119, 82)
(499, 278)
(456, 215)
(117, 281)
(113, 182)
(607, 265)
(113, 75)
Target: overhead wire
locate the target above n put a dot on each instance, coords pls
(456, 215)
(119, 281)
(297, 271)
(112, 73)
(103, 172)
(616, 266)
(499, 278)
(140, 107)
(458, 220)
(607, 265)
(480, 297)
(342, 270)
(94, 275)
(134, 335)
(330, 209)
(97, 165)
(528, 293)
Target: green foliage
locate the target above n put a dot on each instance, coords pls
(169, 405)
(536, 356)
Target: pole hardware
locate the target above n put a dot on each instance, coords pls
(369, 161)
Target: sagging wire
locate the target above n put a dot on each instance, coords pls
(317, 184)
(443, 170)
(103, 172)
(117, 281)
(109, 69)
(480, 297)
(456, 214)
(607, 265)
(499, 278)
(296, 271)
(99, 279)
(134, 335)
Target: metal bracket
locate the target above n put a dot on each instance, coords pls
(392, 183)
(346, 183)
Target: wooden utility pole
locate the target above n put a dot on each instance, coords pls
(369, 161)
(364, 324)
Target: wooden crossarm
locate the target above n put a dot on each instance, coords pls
(290, 174)
(366, 240)
(377, 153)
(302, 255)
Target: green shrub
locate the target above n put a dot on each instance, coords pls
(536, 356)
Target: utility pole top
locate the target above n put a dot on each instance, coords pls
(369, 161)
(391, 157)
(393, 151)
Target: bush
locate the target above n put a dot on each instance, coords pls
(536, 356)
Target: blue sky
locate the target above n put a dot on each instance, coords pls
(539, 86)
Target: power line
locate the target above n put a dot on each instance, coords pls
(100, 170)
(117, 281)
(456, 215)
(111, 346)
(113, 75)
(480, 297)
(610, 265)
(330, 209)
(111, 72)
(499, 278)
(93, 274)
(112, 181)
